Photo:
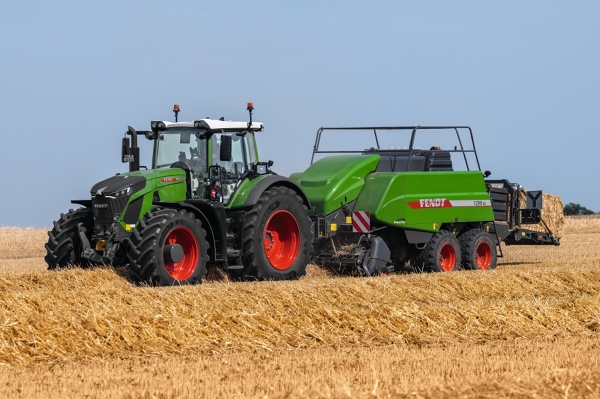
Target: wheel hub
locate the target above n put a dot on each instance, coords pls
(281, 240)
(484, 256)
(447, 257)
(173, 253)
(181, 253)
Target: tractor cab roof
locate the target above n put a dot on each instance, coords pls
(215, 125)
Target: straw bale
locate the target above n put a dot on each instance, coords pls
(552, 215)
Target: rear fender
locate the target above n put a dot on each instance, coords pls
(270, 181)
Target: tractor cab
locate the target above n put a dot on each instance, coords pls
(216, 154)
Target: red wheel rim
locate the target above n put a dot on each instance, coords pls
(447, 258)
(484, 256)
(281, 240)
(183, 270)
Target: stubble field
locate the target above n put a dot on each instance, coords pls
(527, 329)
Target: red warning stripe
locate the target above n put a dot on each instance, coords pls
(361, 222)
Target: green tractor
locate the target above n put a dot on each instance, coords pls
(206, 200)
(380, 209)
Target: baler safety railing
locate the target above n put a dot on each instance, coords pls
(410, 150)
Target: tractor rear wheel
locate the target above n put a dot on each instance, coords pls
(441, 254)
(276, 237)
(168, 247)
(478, 250)
(64, 245)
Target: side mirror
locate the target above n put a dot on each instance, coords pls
(125, 156)
(225, 154)
(487, 173)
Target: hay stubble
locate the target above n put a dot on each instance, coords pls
(544, 298)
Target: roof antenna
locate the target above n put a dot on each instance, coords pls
(176, 110)
(250, 108)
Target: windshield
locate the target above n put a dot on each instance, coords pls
(181, 144)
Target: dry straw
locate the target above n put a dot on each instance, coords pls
(78, 313)
(97, 313)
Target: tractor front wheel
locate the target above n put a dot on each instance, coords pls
(64, 244)
(168, 247)
(441, 254)
(478, 250)
(276, 238)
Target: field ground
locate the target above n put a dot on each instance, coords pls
(528, 329)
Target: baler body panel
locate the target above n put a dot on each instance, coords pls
(334, 181)
(425, 200)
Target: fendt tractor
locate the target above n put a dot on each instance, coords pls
(387, 208)
(209, 200)
(206, 199)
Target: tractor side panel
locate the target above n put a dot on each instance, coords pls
(168, 185)
(425, 200)
(333, 181)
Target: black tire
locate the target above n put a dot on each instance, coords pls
(478, 250)
(147, 248)
(441, 254)
(64, 245)
(288, 236)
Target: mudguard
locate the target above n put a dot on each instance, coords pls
(274, 180)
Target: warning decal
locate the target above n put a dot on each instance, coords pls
(361, 222)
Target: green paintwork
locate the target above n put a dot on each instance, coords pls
(332, 181)
(243, 191)
(386, 195)
(168, 191)
(295, 177)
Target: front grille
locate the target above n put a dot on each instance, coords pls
(107, 209)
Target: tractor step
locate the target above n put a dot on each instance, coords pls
(233, 253)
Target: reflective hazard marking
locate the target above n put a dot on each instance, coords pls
(361, 222)
(444, 203)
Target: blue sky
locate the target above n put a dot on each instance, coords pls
(74, 75)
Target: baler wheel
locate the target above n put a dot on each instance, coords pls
(478, 250)
(64, 245)
(441, 254)
(168, 247)
(276, 237)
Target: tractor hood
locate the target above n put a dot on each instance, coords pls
(127, 196)
(333, 181)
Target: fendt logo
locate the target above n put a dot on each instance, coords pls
(432, 203)
(444, 203)
(100, 205)
(171, 179)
